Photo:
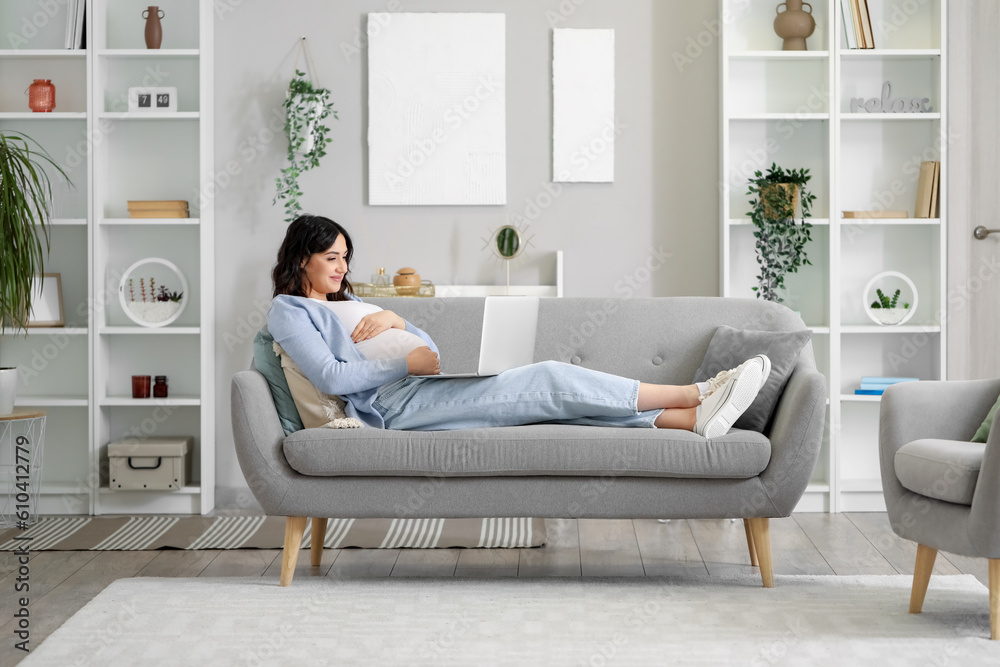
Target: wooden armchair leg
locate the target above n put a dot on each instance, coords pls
(921, 576)
(295, 526)
(995, 598)
(750, 546)
(318, 535)
(760, 531)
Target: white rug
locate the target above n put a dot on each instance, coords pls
(822, 620)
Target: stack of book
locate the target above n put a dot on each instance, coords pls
(857, 24)
(158, 208)
(875, 386)
(927, 190)
(76, 24)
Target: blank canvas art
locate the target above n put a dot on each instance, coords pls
(583, 105)
(436, 109)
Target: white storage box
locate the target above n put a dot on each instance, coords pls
(150, 464)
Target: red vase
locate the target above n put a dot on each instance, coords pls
(42, 96)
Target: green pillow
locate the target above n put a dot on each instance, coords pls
(269, 365)
(984, 430)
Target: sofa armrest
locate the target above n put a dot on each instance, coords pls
(984, 519)
(258, 437)
(949, 410)
(796, 438)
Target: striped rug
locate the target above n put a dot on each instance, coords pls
(122, 533)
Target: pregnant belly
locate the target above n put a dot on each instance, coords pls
(390, 344)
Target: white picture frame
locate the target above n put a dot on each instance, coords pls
(47, 302)
(152, 99)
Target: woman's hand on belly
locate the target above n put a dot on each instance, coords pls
(374, 324)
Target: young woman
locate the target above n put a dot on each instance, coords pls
(368, 356)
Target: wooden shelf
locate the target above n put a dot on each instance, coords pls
(48, 117)
(779, 116)
(52, 402)
(888, 117)
(890, 221)
(889, 54)
(148, 53)
(736, 222)
(46, 331)
(148, 221)
(778, 55)
(889, 330)
(149, 115)
(150, 331)
(128, 401)
(44, 53)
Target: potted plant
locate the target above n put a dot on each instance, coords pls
(25, 193)
(885, 308)
(781, 241)
(306, 107)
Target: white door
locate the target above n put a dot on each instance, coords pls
(974, 190)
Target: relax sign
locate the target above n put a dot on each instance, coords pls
(886, 103)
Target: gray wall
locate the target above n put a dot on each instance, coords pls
(663, 200)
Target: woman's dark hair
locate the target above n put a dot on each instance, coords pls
(306, 236)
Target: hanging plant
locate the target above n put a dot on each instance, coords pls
(781, 241)
(306, 107)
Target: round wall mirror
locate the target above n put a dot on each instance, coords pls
(508, 242)
(153, 292)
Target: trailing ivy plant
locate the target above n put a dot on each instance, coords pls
(25, 213)
(781, 241)
(306, 107)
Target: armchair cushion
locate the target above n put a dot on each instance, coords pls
(984, 428)
(268, 364)
(730, 347)
(942, 469)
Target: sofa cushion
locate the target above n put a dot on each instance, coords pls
(536, 449)
(731, 347)
(268, 364)
(942, 469)
(984, 429)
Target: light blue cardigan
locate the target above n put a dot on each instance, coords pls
(322, 347)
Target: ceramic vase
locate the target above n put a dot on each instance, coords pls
(154, 31)
(8, 388)
(42, 96)
(794, 24)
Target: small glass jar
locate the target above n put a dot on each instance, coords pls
(381, 284)
(140, 386)
(42, 96)
(160, 386)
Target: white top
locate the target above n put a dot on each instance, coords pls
(389, 344)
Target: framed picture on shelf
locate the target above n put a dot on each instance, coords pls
(47, 302)
(152, 99)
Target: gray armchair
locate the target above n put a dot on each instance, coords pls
(942, 491)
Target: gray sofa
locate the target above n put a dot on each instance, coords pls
(549, 470)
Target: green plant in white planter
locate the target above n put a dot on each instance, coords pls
(886, 309)
(781, 241)
(25, 193)
(306, 107)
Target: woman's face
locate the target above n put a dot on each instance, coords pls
(325, 270)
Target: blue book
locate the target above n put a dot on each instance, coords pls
(868, 392)
(875, 385)
(885, 380)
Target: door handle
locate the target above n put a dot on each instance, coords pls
(981, 232)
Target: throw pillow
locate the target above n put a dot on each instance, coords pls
(730, 347)
(268, 364)
(316, 408)
(984, 429)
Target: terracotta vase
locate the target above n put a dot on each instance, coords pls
(794, 24)
(154, 31)
(42, 96)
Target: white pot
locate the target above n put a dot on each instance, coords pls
(8, 388)
(309, 132)
(889, 315)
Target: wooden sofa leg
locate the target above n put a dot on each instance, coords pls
(921, 576)
(318, 535)
(760, 530)
(750, 546)
(995, 598)
(295, 526)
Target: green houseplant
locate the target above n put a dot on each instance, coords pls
(25, 193)
(306, 107)
(886, 309)
(781, 241)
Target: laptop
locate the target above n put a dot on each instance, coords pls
(509, 326)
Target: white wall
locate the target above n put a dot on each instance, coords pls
(664, 198)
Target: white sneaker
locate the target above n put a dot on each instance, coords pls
(722, 377)
(725, 405)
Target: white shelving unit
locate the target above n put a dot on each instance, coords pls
(793, 108)
(80, 374)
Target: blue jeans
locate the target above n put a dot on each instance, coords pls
(549, 391)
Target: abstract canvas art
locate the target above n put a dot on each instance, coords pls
(583, 105)
(436, 109)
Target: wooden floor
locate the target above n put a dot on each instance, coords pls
(61, 582)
